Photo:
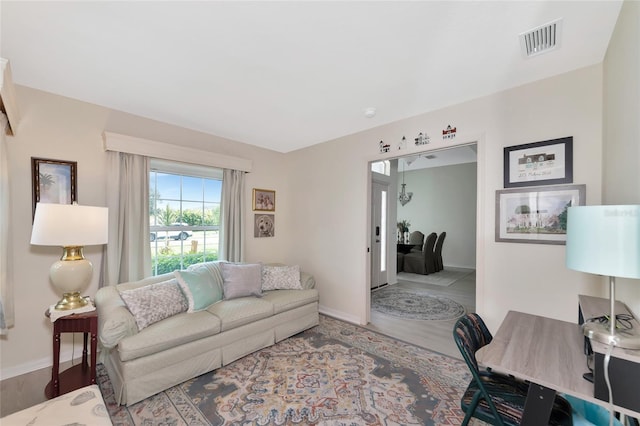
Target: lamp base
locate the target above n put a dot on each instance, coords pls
(601, 333)
(71, 301)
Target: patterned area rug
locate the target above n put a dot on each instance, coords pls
(444, 278)
(415, 304)
(333, 374)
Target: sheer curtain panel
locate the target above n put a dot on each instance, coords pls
(128, 254)
(233, 208)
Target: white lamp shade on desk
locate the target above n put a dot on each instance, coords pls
(605, 240)
(70, 226)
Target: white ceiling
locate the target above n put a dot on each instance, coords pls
(286, 75)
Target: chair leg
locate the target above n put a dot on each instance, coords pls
(471, 409)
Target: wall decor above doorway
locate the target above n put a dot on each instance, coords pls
(540, 163)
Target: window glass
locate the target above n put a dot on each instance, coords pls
(184, 215)
(382, 167)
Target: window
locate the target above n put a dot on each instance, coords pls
(184, 215)
(382, 167)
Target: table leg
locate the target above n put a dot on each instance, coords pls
(84, 349)
(55, 372)
(538, 406)
(94, 351)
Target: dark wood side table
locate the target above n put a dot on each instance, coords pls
(80, 375)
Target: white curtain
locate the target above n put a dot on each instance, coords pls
(128, 253)
(233, 207)
(6, 282)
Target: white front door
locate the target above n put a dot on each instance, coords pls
(379, 216)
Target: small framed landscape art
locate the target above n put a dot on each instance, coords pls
(537, 214)
(539, 163)
(54, 181)
(264, 200)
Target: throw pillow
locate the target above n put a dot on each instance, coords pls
(154, 302)
(240, 280)
(200, 289)
(281, 278)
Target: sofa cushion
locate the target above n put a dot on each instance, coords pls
(155, 302)
(176, 330)
(285, 300)
(199, 287)
(241, 280)
(240, 311)
(281, 278)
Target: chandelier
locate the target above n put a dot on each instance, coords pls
(404, 197)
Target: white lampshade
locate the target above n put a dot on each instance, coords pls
(604, 240)
(69, 225)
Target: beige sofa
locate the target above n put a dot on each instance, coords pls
(188, 344)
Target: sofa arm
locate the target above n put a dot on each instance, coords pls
(115, 321)
(307, 280)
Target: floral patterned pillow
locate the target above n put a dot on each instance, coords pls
(154, 302)
(281, 278)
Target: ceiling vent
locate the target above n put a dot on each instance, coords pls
(542, 39)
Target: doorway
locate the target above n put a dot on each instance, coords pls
(452, 168)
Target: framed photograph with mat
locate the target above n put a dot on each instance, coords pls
(539, 163)
(54, 181)
(536, 215)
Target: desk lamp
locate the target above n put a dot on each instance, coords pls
(605, 240)
(70, 226)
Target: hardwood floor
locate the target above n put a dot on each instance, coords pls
(434, 335)
(20, 392)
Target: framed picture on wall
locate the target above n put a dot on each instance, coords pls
(536, 215)
(264, 225)
(539, 163)
(264, 200)
(54, 181)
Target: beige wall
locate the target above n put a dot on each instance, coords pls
(621, 156)
(61, 128)
(526, 277)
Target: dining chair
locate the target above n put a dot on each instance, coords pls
(495, 398)
(416, 238)
(438, 252)
(422, 262)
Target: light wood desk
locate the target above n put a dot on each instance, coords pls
(547, 352)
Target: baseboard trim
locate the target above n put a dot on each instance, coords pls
(29, 367)
(339, 315)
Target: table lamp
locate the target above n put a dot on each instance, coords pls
(605, 240)
(70, 226)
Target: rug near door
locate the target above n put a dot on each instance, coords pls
(444, 278)
(416, 304)
(335, 373)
